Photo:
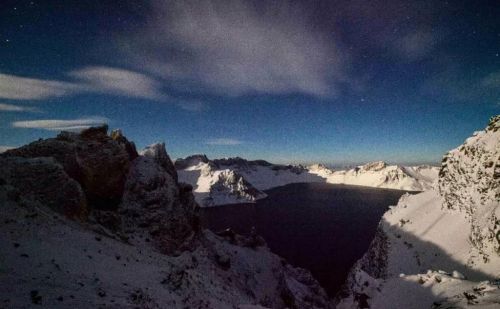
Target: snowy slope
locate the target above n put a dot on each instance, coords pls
(381, 175)
(62, 250)
(66, 265)
(212, 187)
(439, 248)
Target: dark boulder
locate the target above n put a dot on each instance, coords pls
(94, 159)
(44, 180)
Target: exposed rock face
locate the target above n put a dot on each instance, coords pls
(118, 260)
(373, 166)
(43, 180)
(156, 203)
(108, 168)
(438, 248)
(191, 161)
(469, 181)
(118, 136)
(159, 154)
(214, 186)
(233, 185)
(240, 162)
(98, 162)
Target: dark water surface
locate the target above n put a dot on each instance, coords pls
(322, 227)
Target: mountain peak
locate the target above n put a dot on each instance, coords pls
(182, 163)
(374, 166)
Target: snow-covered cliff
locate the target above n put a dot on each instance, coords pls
(214, 181)
(439, 248)
(67, 244)
(380, 175)
(216, 186)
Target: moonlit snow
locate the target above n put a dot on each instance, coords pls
(439, 248)
(236, 180)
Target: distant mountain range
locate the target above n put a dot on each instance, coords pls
(236, 180)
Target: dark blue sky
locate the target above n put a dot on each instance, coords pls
(314, 81)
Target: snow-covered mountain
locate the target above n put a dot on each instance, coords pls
(236, 180)
(380, 175)
(439, 248)
(87, 222)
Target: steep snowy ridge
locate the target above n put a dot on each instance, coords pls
(438, 248)
(144, 248)
(214, 181)
(380, 175)
(215, 186)
(470, 182)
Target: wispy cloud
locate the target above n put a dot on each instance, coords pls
(103, 80)
(18, 108)
(223, 142)
(4, 148)
(118, 82)
(22, 88)
(61, 124)
(233, 48)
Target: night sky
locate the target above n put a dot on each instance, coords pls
(337, 82)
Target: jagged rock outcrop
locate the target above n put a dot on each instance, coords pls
(127, 191)
(44, 181)
(117, 135)
(190, 161)
(159, 154)
(373, 166)
(147, 252)
(94, 159)
(438, 248)
(231, 187)
(215, 186)
(469, 181)
(244, 165)
(237, 161)
(156, 203)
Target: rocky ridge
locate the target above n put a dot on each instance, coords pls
(438, 248)
(469, 181)
(89, 222)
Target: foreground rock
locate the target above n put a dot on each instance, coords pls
(43, 180)
(155, 204)
(439, 248)
(141, 248)
(94, 159)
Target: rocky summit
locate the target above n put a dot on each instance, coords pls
(88, 222)
(98, 162)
